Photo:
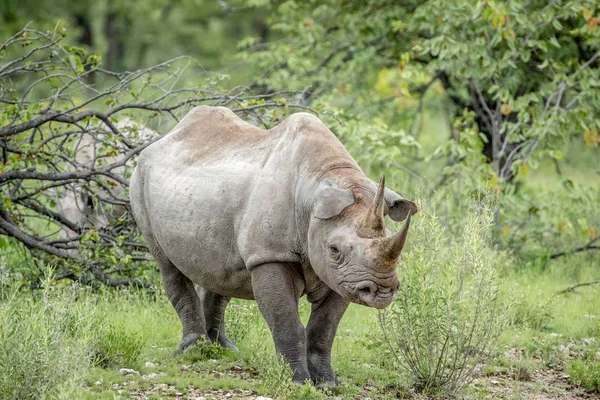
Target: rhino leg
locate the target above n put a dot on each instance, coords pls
(277, 287)
(214, 306)
(325, 316)
(180, 291)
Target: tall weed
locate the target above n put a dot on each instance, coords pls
(449, 312)
(45, 342)
(50, 338)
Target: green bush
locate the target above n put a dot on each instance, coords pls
(44, 342)
(276, 380)
(240, 318)
(115, 345)
(204, 350)
(527, 312)
(449, 312)
(585, 373)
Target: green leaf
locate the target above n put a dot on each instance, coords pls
(509, 35)
(76, 64)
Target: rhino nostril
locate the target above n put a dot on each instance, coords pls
(367, 289)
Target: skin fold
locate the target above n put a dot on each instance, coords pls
(269, 216)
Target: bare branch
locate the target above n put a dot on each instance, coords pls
(70, 146)
(572, 288)
(588, 246)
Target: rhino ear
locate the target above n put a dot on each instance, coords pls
(397, 207)
(331, 201)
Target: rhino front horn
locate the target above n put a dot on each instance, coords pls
(391, 248)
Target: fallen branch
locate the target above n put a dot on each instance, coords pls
(588, 246)
(117, 283)
(572, 288)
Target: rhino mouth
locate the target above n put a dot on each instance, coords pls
(372, 295)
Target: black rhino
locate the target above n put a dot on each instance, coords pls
(270, 216)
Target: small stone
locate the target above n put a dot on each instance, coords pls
(98, 383)
(494, 382)
(150, 365)
(263, 398)
(127, 371)
(178, 394)
(236, 368)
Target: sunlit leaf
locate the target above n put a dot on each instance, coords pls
(505, 109)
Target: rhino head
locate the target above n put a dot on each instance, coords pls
(349, 246)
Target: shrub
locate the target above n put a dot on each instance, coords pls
(204, 350)
(448, 314)
(527, 312)
(276, 379)
(240, 318)
(585, 373)
(44, 343)
(115, 345)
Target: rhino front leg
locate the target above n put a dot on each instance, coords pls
(214, 306)
(180, 291)
(325, 315)
(277, 287)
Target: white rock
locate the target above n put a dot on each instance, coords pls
(127, 371)
(98, 383)
(150, 365)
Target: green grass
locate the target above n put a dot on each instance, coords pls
(141, 330)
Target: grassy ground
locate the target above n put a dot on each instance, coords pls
(551, 349)
(75, 344)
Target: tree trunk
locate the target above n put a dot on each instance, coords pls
(115, 52)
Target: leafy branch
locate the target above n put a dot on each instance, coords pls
(70, 132)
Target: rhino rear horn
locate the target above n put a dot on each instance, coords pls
(373, 220)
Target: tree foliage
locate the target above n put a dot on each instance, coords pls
(527, 71)
(59, 103)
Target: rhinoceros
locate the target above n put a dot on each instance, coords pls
(76, 204)
(267, 216)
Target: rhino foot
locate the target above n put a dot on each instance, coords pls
(228, 344)
(190, 340)
(330, 384)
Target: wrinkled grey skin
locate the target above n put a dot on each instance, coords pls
(270, 216)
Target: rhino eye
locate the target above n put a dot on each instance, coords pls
(334, 249)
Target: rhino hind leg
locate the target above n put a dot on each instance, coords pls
(178, 287)
(182, 295)
(214, 306)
